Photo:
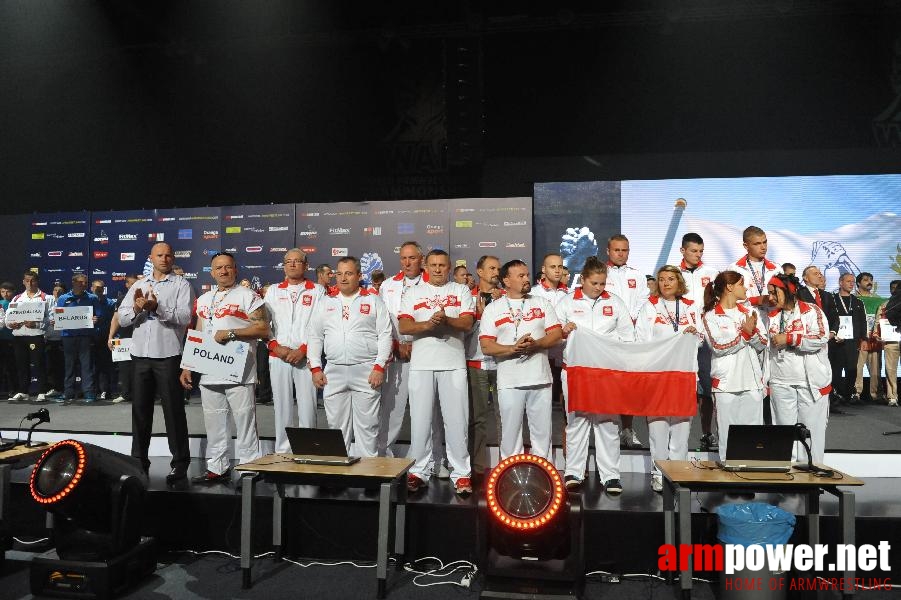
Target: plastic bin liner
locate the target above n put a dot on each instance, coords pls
(754, 523)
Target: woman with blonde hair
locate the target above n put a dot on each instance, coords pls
(664, 315)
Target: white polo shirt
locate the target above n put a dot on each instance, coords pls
(441, 349)
(230, 309)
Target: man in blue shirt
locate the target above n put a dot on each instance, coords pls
(103, 358)
(77, 343)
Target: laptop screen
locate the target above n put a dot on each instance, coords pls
(316, 442)
(761, 442)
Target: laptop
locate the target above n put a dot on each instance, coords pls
(319, 447)
(760, 448)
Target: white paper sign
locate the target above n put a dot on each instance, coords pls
(204, 355)
(888, 332)
(20, 312)
(73, 317)
(121, 349)
(845, 328)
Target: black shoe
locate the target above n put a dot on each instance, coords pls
(573, 483)
(176, 474)
(709, 443)
(210, 477)
(854, 399)
(613, 487)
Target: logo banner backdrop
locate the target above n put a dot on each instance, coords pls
(258, 236)
(195, 236)
(58, 247)
(120, 244)
(500, 227)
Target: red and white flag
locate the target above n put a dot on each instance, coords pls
(657, 378)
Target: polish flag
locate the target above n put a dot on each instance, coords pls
(657, 378)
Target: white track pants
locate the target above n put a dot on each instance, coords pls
(218, 401)
(742, 408)
(352, 406)
(453, 402)
(793, 404)
(536, 402)
(288, 380)
(668, 438)
(395, 392)
(579, 426)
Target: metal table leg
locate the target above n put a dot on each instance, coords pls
(248, 485)
(381, 567)
(400, 523)
(278, 520)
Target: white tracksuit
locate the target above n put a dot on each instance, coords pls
(217, 310)
(395, 390)
(523, 382)
(697, 281)
(608, 316)
(356, 336)
(737, 378)
(290, 307)
(553, 295)
(630, 285)
(800, 374)
(438, 366)
(659, 319)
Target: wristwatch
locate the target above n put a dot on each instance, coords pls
(232, 336)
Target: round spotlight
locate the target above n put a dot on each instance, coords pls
(59, 470)
(525, 492)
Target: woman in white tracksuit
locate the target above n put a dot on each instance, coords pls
(735, 336)
(800, 374)
(662, 316)
(592, 307)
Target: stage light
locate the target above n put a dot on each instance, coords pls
(530, 534)
(96, 497)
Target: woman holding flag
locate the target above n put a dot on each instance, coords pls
(737, 341)
(665, 315)
(800, 374)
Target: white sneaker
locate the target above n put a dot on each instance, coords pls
(628, 438)
(657, 483)
(102, 396)
(893, 402)
(20, 396)
(41, 398)
(443, 473)
(52, 393)
(118, 399)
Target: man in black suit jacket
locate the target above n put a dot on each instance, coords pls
(813, 292)
(843, 352)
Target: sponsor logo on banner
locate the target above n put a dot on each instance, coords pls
(231, 249)
(310, 233)
(461, 246)
(252, 266)
(233, 217)
(397, 249)
(515, 245)
(207, 269)
(128, 237)
(209, 251)
(98, 254)
(211, 234)
(487, 244)
(102, 238)
(281, 249)
(185, 234)
(56, 236)
(39, 223)
(37, 236)
(335, 230)
(75, 254)
(156, 237)
(190, 275)
(254, 230)
(339, 251)
(34, 255)
(123, 256)
(50, 270)
(103, 221)
(98, 272)
(253, 249)
(115, 274)
(434, 229)
(230, 230)
(487, 224)
(55, 253)
(406, 228)
(308, 249)
(515, 223)
(182, 254)
(372, 231)
(165, 219)
(463, 224)
(308, 214)
(279, 228)
(77, 234)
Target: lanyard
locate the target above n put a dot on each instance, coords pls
(848, 308)
(669, 315)
(516, 317)
(782, 321)
(758, 283)
(215, 305)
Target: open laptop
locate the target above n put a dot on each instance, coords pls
(760, 448)
(319, 447)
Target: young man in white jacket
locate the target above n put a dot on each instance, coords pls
(353, 328)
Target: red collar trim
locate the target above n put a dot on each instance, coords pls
(580, 295)
(804, 307)
(685, 267)
(560, 286)
(308, 285)
(400, 276)
(743, 263)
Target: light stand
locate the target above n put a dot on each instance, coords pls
(42, 416)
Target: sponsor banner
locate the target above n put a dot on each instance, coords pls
(202, 354)
(120, 243)
(500, 227)
(58, 245)
(259, 235)
(73, 317)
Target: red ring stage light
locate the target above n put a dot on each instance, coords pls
(525, 492)
(59, 470)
